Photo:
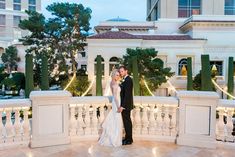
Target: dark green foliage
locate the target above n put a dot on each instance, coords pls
(29, 85)
(19, 79)
(197, 82)
(78, 86)
(44, 73)
(150, 67)
(189, 74)
(206, 83)
(99, 76)
(230, 77)
(59, 37)
(9, 83)
(10, 58)
(136, 81)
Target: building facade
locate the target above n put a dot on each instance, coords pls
(185, 8)
(11, 12)
(174, 38)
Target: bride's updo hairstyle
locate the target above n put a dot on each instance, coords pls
(113, 73)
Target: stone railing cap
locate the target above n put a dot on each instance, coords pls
(197, 94)
(52, 93)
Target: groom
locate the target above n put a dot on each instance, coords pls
(126, 104)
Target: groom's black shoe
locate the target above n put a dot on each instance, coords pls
(126, 142)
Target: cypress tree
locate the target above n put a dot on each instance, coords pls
(230, 77)
(135, 76)
(99, 76)
(44, 74)
(206, 84)
(189, 74)
(28, 74)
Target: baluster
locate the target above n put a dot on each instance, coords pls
(26, 125)
(1, 126)
(72, 121)
(159, 120)
(163, 122)
(17, 124)
(137, 120)
(80, 122)
(133, 119)
(172, 116)
(152, 123)
(8, 126)
(229, 125)
(87, 120)
(145, 122)
(220, 125)
(94, 120)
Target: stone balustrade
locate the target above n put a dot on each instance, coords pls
(14, 122)
(225, 128)
(153, 118)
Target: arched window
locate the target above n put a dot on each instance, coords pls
(187, 8)
(102, 59)
(113, 63)
(182, 67)
(218, 66)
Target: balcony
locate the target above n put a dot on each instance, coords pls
(157, 126)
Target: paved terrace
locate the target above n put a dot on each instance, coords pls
(137, 149)
(73, 122)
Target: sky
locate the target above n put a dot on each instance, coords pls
(133, 10)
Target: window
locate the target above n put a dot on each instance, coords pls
(2, 4)
(83, 54)
(16, 20)
(84, 67)
(32, 5)
(229, 8)
(32, 2)
(2, 19)
(32, 8)
(218, 67)
(187, 8)
(102, 66)
(182, 67)
(113, 63)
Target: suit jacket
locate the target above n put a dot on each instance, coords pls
(127, 93)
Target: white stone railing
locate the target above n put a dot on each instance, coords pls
(225, 120)
(14, 122)
(154, 118)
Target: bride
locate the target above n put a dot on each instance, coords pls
(112, 125)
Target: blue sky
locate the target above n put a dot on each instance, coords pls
(134, 10)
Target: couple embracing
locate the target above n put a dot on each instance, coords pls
(120, 115)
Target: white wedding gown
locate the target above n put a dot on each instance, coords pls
(112, 125)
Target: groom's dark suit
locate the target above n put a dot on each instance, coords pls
(127, 104)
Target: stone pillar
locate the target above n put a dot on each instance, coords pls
(197, 118)
(50, 122)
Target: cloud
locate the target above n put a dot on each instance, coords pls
(134, 10)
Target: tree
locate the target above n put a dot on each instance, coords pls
(99, 76)
(230, 77)
(60, 37)
(150, 67)
(189, 74)
(10, 58)
(29, 85)
(206, 83)
(135, 76)
(44, 74)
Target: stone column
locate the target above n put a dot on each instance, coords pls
(197, 118)
(50, 122)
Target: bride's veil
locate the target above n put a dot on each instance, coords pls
(107, 90)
